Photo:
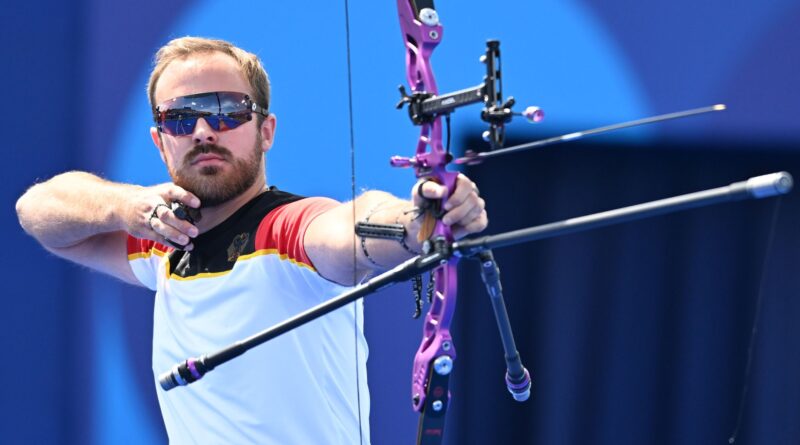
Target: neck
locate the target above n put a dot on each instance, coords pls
(213, 216)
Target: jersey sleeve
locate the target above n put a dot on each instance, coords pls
(283, 228)
(145, 258)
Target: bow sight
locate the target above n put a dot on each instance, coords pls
(424, 107)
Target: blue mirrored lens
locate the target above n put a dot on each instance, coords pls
(227, 121)
(221, 110)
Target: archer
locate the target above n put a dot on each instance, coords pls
(227, 254)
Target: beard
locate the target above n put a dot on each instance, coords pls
(214, 185)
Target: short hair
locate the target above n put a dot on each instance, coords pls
(185, 47)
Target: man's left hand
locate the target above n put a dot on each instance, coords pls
(465, 210)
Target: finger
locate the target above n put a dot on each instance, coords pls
(465, 189)
(477, 225)
(168, 217)
(185, 247)
(465, 212)
(424, 190)
(473, 215)
(168, 232)
(177, 193)
(458, 215)
(432, 190)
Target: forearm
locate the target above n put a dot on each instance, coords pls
(72, 207)
(331, 238)
(383, 208)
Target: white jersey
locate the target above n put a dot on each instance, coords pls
(307, 386)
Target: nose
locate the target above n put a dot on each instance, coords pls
(203, 133)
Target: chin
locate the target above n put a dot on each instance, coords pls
(217, 187)
(210, 170)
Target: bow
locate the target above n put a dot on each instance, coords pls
(433, 363)
(421, 32)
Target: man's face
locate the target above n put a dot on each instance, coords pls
(216, 166)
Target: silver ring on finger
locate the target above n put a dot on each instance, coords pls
(154, 214)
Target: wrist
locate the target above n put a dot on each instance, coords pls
(411, 221)
(116, 206)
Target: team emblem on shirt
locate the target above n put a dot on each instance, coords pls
(237, 246)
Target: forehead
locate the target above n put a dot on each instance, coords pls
(200, 73)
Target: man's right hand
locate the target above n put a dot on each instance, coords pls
(86, 219)
(150, 215)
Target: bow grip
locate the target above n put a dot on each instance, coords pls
(432, 225)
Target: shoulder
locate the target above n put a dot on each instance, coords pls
(284, 227)
(297, 214)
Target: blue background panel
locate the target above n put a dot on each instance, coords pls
(79, 344)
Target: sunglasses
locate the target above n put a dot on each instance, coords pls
(222, 110)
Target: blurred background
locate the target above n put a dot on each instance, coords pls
(638, 333)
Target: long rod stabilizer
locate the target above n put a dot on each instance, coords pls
(758, 187)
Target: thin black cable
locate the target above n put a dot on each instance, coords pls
(353, 202)
(447, 120)
(749, 365)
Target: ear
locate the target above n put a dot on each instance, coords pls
(158, 142)
(268, 132)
